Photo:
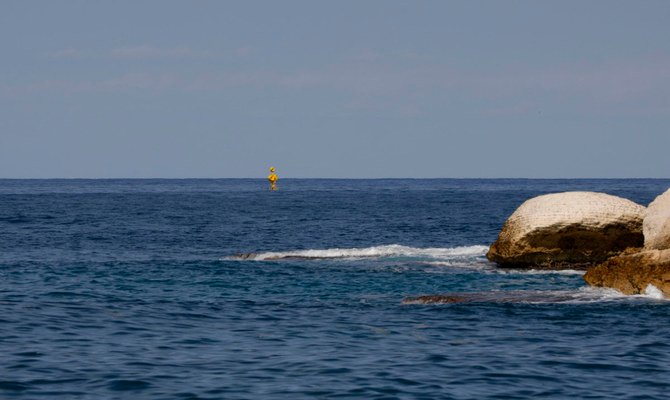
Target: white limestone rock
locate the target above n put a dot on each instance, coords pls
(656, 226)
(568, 230)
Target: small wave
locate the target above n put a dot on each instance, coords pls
(604, 294)
(475, 263)
(393, 250)
(539, 271)
(582, 295)
(588, 293)
(490, 267)
(653, 292)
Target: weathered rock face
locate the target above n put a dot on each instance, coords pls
(632, 273)
(571, 230)
(656, 224)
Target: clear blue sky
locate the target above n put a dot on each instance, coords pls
(334, 88)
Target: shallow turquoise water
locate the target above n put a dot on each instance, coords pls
(131, 289)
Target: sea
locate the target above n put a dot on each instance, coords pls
(222, 289)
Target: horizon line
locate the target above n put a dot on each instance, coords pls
(336, 178)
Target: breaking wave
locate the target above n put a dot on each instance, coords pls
(393, 250)
(653, 292)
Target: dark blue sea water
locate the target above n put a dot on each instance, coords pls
(130, 289)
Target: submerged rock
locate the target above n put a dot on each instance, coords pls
(244, 256)
(633, 273)
(502, 296)
(568, 230)
(437, 299)
(656, 224)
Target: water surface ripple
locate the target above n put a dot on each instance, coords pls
(117, 289)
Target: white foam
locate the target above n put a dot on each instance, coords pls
(582, 295)
(393, 250)
(484, 265)
(540, 271)
(588, 294)
(574, 296)
(471, 263)
(653, 292)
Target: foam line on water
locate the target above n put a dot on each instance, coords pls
(539, 272)
(489, 267)
(393, 250)
(582, 295)
(593, 294)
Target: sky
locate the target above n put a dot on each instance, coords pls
(335, 89)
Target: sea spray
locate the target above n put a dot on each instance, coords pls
(653, 292)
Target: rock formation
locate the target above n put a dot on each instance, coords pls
(632, 273)
(572, 230)
(656, 226)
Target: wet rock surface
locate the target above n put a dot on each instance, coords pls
(632, 273)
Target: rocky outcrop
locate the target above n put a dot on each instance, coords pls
(568, 230)
(656, 224)
(632, 273)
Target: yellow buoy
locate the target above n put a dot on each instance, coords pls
(273, 179)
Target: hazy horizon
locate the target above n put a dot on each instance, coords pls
(333, 178)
